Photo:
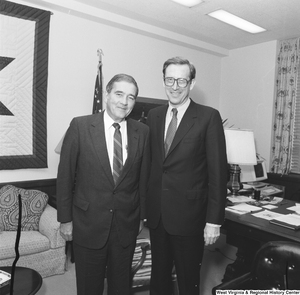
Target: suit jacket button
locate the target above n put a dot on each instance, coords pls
(111, 210)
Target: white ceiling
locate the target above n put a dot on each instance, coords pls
(281, 18)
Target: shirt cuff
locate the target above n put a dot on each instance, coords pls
(213, 225)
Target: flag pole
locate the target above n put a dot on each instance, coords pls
(97, 104)
(99, 53)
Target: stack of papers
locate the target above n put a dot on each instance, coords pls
(267, 214)
(242, 208)
(238, 199)
(291, 221)
(270, 190)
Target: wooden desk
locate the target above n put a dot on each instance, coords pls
(27, 281)
(249, 233)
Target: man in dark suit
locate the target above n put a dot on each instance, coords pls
(101, 186)
(185, 201)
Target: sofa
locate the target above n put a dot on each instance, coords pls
(41, 246)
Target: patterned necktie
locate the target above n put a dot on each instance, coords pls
(171, 131)
(118, 156)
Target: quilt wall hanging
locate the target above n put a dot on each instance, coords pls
(24, 45)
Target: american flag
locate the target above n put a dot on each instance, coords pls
(97, 105)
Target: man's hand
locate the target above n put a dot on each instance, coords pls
(211, 234)
(66, 230)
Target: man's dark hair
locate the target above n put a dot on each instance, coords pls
(119, 78)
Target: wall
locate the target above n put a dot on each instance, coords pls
(247, 92)
(72, 71)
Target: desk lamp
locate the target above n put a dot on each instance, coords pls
(240, 149)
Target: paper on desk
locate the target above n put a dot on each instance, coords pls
(228, 209)
(294, 208)
(238, 199)
(276, 200)
(293, 219)
(246, 208)
(270, 207)
(266, 214)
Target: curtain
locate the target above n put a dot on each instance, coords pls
(285, 93)
(24, 47)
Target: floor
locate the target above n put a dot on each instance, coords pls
(215, 260)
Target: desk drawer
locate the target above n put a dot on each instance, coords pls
(235, 230)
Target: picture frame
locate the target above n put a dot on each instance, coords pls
(25, 145)
(142, 107)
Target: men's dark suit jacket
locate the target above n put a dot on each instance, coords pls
(187, 188)
(94, 199)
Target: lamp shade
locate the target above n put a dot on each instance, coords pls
(188, 3)
(240, 147)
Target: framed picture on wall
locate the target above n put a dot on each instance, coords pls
(142, 107)
(23, 83)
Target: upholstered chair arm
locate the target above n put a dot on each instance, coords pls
(49, 226)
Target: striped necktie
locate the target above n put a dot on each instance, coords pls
(118, 156)
(171, 131)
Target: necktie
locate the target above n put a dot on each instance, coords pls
(118, 156)
(171, 131)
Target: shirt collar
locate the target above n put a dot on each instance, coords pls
(108, 121)
(181, 109)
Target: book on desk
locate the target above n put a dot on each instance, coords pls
(5, 278)
(290, 221)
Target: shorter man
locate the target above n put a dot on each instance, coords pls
(101, 187)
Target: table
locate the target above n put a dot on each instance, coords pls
(26, 282)
(249, 233)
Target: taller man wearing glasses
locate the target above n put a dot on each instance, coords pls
(187, 186)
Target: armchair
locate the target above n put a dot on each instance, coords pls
(276, 266)
(40, 248)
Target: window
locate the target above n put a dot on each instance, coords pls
(286, 125)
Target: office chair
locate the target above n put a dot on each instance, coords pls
(276, 266)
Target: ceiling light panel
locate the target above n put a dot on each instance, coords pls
(236, 21)
(188, 3)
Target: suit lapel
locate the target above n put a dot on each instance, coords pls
(99, 142)
(185, 125)
(133, 140)
(160, 131)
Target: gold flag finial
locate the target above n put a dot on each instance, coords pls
(100, 53)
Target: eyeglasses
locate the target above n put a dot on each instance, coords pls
(182, 83)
